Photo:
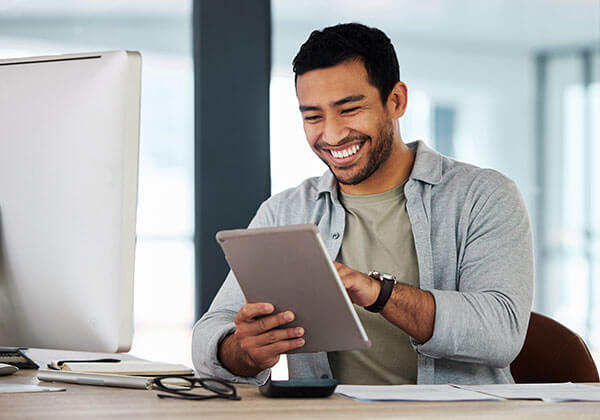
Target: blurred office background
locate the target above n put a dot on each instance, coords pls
(506, 84)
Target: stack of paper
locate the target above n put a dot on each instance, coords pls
(411, 393)
(544, 392)
(15, 388)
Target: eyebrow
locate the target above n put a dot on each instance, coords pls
(351, 98)
(343, 101)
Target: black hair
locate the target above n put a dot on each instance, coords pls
(349, 41)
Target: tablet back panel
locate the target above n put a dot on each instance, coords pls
(289, 267)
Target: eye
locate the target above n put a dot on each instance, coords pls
(349, 110)
(312, 118)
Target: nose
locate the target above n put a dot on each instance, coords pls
(333, 131)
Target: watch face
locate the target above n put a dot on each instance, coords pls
(382, 276)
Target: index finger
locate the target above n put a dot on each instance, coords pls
(252, 310)
(339, 266)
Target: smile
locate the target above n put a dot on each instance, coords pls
(340, 154)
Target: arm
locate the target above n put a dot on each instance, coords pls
(217, 324)
(236, 341)
(485, 320)
(409, 308)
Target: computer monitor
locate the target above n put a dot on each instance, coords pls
(69, 137)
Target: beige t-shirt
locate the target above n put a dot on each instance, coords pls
(378, 237)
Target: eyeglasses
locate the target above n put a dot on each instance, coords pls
(186, 388)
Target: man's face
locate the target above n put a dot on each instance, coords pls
(345, 122)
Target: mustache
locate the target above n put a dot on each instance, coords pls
(321, 145)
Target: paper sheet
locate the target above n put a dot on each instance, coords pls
(544, 392)
(10, 388)
(411, 393)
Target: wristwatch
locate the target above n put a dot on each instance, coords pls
(387, 285)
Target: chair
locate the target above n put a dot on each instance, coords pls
(552, 353)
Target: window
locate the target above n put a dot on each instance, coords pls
(569, 236)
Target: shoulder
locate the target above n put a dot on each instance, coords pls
(450, 176)
(471, 189)
(467, 177)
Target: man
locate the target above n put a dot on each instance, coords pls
(456, 237)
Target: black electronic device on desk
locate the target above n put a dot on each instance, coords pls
(299, 388)
(15, 356)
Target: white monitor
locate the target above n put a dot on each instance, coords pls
(69, 136)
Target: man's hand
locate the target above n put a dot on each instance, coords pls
(362, 289)
(409, 308)
(256, 343)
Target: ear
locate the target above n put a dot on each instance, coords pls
(397, 100)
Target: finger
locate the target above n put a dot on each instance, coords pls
(338, 265)
(253, 310)
(342, 269)
(276, 335)
(261, 325)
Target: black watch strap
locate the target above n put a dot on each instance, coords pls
(387, 285)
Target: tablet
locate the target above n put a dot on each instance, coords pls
(289, 267)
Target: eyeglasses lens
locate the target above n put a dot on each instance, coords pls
(195, 388)
(177, 384)
(218, 387)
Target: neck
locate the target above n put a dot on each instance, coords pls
(393, 172)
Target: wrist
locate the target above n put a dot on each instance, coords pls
(386, 286)
(375, 291)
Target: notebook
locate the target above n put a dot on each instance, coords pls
(125, 368)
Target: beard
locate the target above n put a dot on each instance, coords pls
(381, 150)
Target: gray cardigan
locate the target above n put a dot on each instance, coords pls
(474, 249)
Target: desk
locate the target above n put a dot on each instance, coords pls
(80, 401)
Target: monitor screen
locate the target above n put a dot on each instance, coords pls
(69, 136)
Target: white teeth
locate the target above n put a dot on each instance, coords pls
(346, 152)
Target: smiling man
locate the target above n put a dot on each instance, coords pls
(435, 254)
